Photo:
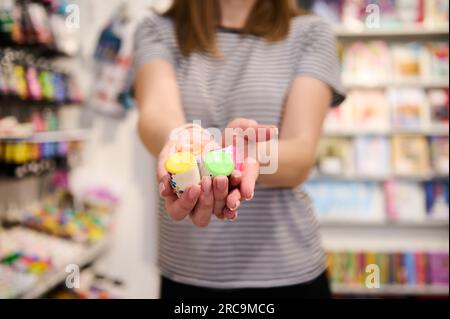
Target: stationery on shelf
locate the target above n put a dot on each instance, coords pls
(410, 155)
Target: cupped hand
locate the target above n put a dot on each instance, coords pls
(198, 202)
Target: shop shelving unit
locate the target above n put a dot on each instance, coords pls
(53, 136)
(45, 284)
(385, 235)
(391, 290)
(90, 252)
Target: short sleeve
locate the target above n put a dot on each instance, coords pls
(319, 58)
(152, 41)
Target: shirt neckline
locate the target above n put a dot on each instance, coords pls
(230, 30)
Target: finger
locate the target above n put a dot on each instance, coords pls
(264, 133)
(236, 178)
(239, 123)
(249, 178)
(178, 209)
(202, 213)
(165, 189)
(221, 215)
(165, 153)
(220, 189)
(230, 215)
(234, 200)
(242, 123)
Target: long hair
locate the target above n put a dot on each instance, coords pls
(196, 22)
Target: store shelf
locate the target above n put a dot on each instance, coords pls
(404, 84)
(56, 136)
(438, 131)
(378, 179)
(434, 224)
(406, 32)
(50, 281)
(393, 290)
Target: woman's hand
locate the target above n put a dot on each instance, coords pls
(213, 195)
(244, 181)
(198, 201)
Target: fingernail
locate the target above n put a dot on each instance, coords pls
(193, 194)
(206, 185)
(251, 197)
(162, 188)
(221, 184)
(234, 218)
(238, 203)
(237, 174)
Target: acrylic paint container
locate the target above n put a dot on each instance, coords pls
(217, 163)
(183, 170)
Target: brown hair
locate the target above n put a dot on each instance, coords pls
(196, 22)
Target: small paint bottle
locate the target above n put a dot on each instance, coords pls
(183, 170)
(217, 163)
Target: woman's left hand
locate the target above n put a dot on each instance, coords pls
(244, 181)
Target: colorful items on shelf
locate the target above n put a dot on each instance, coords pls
(10, 127)
(21, 159)
(27, 263)
(375, 63)
(385, 14)
(38, 24)
(396, 109)
(57, 216)
(14, 283)
(52, 251)
(26, 256)
(414, 269)
(371, 202)
(437, 200)
(46, 121)
(27, 78)
(382, 157)
(92, 286)
(336, 201)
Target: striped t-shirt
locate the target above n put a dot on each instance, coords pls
(275, 241)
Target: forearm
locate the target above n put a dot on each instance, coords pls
(296, 157)
(154, 128)
(159, 103)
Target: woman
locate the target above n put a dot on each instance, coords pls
(240, 64)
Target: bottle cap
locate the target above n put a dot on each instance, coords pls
(181, 162)
(219, 163)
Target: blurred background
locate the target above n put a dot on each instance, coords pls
(77, 186)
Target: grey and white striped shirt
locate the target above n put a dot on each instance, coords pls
(275, 241)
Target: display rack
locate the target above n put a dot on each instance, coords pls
(53, 279)
(387, 235)
(433, 224)
(57, 90)
(410, 32)
(55, 136)
(391, 290)
(440, 131)
(398, 84)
